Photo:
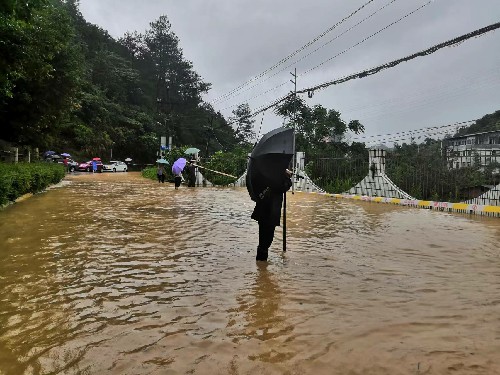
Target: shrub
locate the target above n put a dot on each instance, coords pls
(149, 172)
(22, 178)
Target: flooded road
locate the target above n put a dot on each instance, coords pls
(116, 274)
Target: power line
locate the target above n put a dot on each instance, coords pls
(418, 97)
(419, 133)
(371, 36)
(228, 96)
(410, 137)
(420, 130)
(379, 68)
(428, 51)
(292, 54)
(337, 55)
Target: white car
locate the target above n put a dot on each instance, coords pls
(115, 166)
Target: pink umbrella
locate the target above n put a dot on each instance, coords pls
(178, 165)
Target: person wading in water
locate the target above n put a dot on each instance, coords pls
(267, 213)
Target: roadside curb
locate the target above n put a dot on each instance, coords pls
(464, 208)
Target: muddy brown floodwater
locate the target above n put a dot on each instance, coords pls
(116, 274)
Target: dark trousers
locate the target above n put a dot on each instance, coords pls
(177, 181)
(266, 236)
(161, 178)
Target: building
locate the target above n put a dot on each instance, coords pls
(469, 149)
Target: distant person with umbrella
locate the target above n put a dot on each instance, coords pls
(65, 163)
(160, 173)
(177, 169)
(267, 180)
(177, 180)
(65, 155)
(192, 173)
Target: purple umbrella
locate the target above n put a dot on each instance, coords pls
(178, 165)
(65, 154)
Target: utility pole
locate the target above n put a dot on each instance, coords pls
(211, 123)
(294, 81)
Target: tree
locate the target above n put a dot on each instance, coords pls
(171, 80)
(489, 122)
(317, 129)
(40, 78)
(244, 124)
(66, 84)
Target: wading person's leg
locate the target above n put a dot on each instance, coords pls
(266, 236)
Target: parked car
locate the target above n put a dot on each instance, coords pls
(87, 166)
(72, 165)
(54, 158)
(115, 166)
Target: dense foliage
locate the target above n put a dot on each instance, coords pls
(22, 178)
(65, 84)
(232, 163)
(422, 170)
(489, 122)
(331, 161)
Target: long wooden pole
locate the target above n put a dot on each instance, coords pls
(211, 170)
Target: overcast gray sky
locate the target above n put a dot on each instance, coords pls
(232, 41)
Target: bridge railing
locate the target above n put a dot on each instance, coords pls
(421, 174)
(336, 173)
(430, 177)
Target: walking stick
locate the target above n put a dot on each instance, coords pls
(284, 221)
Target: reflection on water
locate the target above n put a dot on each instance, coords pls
(115, 274)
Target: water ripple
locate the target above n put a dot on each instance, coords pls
(117, 274)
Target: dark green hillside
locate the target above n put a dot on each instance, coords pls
(65, 84)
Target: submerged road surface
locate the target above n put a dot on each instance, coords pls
(116, 274)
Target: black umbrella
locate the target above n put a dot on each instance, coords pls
(268, 161)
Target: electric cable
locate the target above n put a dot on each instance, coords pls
(365, 73)
(337, 55)
(452, 42)
(293, 53)
(228, 97)
(371, 36)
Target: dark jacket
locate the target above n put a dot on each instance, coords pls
(191, 175)
(268, 203)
